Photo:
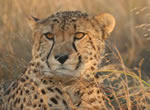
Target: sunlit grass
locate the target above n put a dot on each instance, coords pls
(133, 75)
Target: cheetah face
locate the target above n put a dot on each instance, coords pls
(68, 43)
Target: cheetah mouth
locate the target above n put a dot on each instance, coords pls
(61, 69)
(62, 72)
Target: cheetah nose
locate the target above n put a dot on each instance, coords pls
(61, 58)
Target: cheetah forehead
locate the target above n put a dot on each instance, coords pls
(66, 16)
(62, 20)
(70, 15)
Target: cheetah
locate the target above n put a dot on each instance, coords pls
(67, 46)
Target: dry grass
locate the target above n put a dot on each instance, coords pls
(131, 35)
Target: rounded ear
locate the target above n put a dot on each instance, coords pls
(107, 22)
(32, 21)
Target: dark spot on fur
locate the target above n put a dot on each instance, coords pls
(35, 71)
(50, 81)
(43, 91)
(87, 86)
(25, 84)
(27, 91)
(58, 91)
(92, 68)
(44, 82)
(90, 92)
(96, 76)
(57, 97)
(15, 85)
(24, 99)
(94, 64)
(36, 56)
(38, 64)
(22, 80)
(92, 100)
(99, 101)
(21, 92)
(64, 102)
(32, 88)
(13, 96)
(42, 59)
(17, 91)
(34, 105)
(21, 107)
(15, 102)
(87, 75)
(49, 89)
(75, 27)
(35, 96)
(27, 77)
(54, 100)
(41, 100)
(50, 105)
(18, 100)
(32, 64)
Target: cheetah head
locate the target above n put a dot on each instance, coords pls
(68, 43)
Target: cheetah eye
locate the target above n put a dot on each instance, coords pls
(49, 36)
(79, 35)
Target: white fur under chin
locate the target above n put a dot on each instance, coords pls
(62, 73)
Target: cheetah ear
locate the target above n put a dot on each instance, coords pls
(107, 23)
(32, 21)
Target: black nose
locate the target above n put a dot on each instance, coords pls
(61, 58)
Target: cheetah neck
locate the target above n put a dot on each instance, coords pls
(88, 73)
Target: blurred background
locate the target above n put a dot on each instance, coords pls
(131, 35)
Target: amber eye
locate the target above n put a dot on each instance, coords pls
(49, 36)
(79, 35)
